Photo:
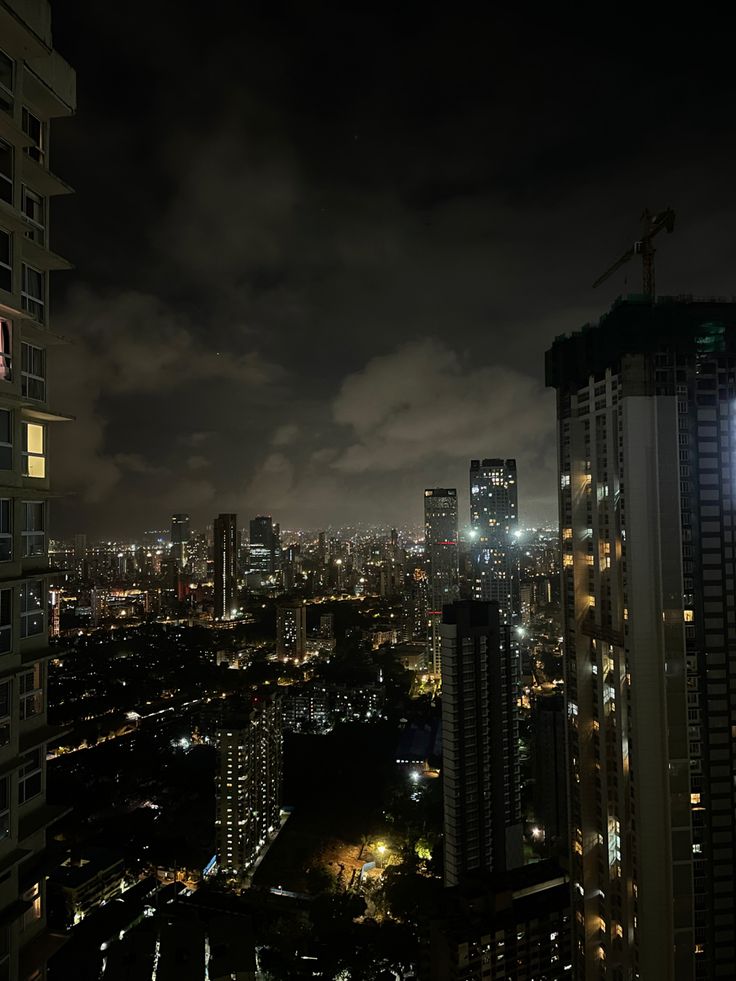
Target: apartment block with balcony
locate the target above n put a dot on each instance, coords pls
(36, 87)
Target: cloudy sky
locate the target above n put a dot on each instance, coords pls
(320, 251)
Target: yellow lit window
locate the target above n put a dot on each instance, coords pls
(688, 616)
(567, 560)
(694, 798)
(34, 450)
(567, 532)
(589, 559)
(699, 948)
(626, 613)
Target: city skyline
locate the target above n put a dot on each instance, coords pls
(425, 268)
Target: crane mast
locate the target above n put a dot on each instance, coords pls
(652, 224)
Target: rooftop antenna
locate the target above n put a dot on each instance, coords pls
(651, 225)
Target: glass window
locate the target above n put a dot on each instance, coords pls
(31, 607)
(7, 71)
(6, 261)
(6, 620)
(33, 207)
(6, 350)
(33, 914)
(34, 450)
(4, 807)
(6, 439)
(5, 709)
(6, 529)
(29, 776)
(31, 692)
(6, 172)
(33, 372)
(33, 127)
(34, 538)
(33, 291)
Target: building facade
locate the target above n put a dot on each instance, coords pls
(647, 443)
(291, 629)
(441, 556)
(180, 539)
(262, 549)
(480, 743)
(36, 86)
(248, 783)
(494, 517)
(225, 554)
(512, 927)
(550, 777)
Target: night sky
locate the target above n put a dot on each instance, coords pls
(320, 251)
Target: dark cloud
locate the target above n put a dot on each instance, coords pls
(321, 251)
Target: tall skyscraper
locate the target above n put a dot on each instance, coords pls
(36, 86)
(180, 539)
(225, 552)
(441, 554)
(248, 783)
(480, 742)
(494, 517)
(550, 778)
(647, 439)
(262, 545)
(291, 629)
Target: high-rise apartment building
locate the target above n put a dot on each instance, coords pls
(291, 629)
(36, 86)
(225, 554)
(480, 742)
(441, 555)
(550, 777)
(494, 517)
(647, 446)
(180, 539)
(248, 783)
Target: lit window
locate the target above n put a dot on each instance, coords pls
(33, 291)
(31, 915)
(694, 798)
(34, 450)
(6, 351)
(6, 172)
(688, 616)
(33, 372)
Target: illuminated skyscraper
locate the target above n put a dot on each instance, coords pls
(291, 629)
(494, 516)
(480, 742)
(262, 545)
(647, 451)
(441, 554)
(248, 783)
(180, 539)
(225, 551)
(36, 86)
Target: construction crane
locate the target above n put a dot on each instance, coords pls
(651, 225)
